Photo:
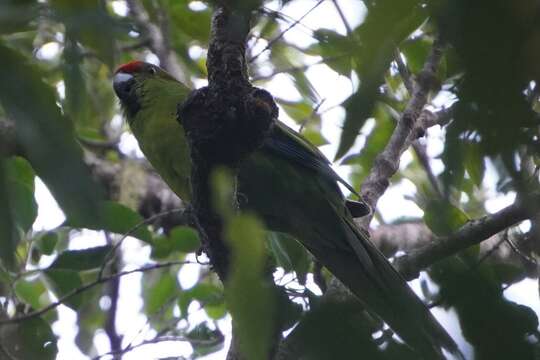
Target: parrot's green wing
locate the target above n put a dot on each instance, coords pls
(286, 143)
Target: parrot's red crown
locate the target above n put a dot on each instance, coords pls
(130, 67)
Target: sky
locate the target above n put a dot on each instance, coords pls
(393, 204)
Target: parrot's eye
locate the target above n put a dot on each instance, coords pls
(152, 70)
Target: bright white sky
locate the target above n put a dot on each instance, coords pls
(334, 89)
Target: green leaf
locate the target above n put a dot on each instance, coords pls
(443, 218)
(299, 111)
(416, 51)
(117, 218)
(253, 314)
(20, 185)
(63, 282)
(88, 22)
(16, 15)
(184, 239)
(46, 136)
(46, 242)
(23, 205)
(29, 339)
(474, 162)
(289, 254)
(337, 48)
(8, 234)
(209, 295)
(161, 292)
(19, 170)
(314, 136)
(81, 260)
(376, 140)
(387, 24)
(30, 292)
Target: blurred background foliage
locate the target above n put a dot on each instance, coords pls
(60, 125)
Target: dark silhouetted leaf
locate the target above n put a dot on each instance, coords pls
(29, 339)
(116, 218)
(81, 260)
(63, 282)
(8, 235)
(387, 24)
(46, 136)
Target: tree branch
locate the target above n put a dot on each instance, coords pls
(387, 163)
(474, 232)
(158, 41)
(90, 285)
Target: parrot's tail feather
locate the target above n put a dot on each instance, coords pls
(382, 289)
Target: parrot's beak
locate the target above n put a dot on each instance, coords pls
(123, 85)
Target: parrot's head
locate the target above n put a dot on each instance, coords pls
(138, 83)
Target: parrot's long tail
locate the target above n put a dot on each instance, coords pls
(369, 275)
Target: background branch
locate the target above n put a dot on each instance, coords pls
(474, 232)
(158, 41)
(387, 163)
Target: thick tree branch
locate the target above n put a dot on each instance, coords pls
(387, 163)
(474, 232)
(411, 236)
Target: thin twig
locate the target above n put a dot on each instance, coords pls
(524, 256)
(90, 285)
(155, 340)
(111, 254)
(300, 68)
(274, 40)
(343, 18)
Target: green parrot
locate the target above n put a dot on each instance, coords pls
(291, 186)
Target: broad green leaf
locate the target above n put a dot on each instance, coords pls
(117, 218)
(314, 136)
(63, 282)
(209, 295)
(387, 24)
(8, 234)
(246, 239)
(19, 170)
(29, 339)
(474, 162)
(298, 111)
(181, 239)
(339, 49)
(184, 239)
(30, 291)
(416, 51)
(23, 205)
(161, 292)
(88, 22)
(46, 136)
(81, 260)
(16, 15)
(376, 139)
(46, 242)
(443, 218)
(289, 254)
